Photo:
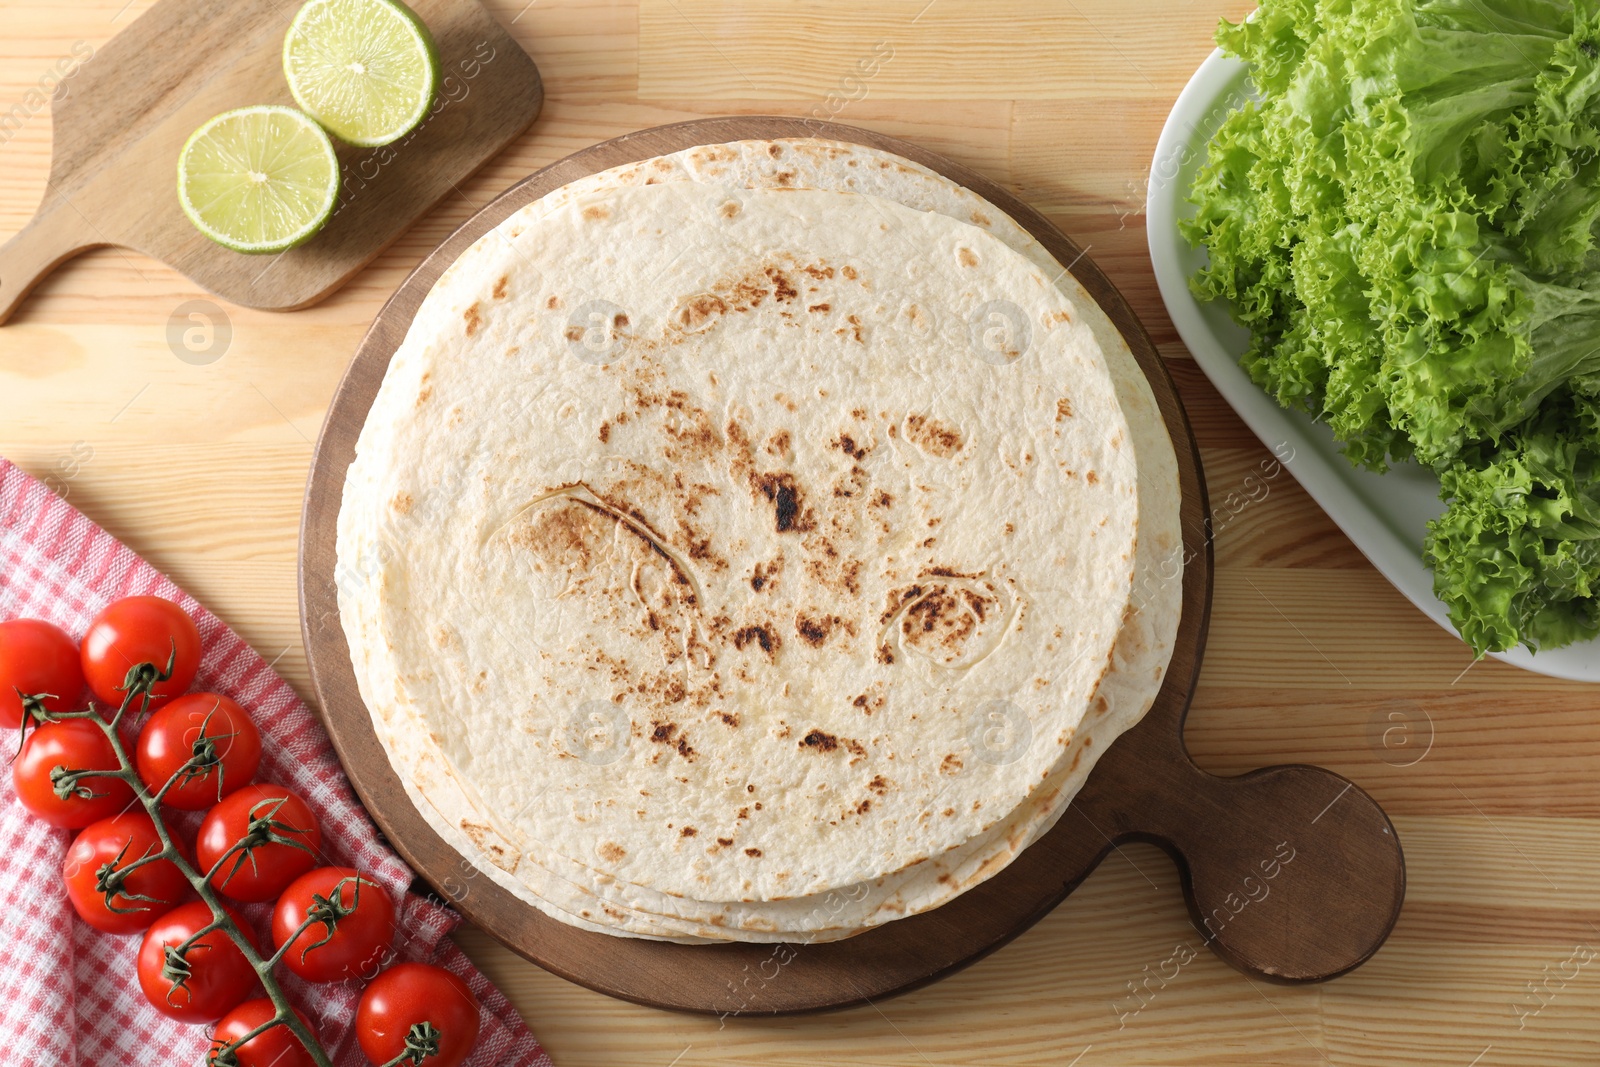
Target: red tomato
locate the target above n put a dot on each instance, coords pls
(111, 845)
(263, 873)
(134, 631)
(219, 975)
(37, 658)
(277, 1047)
(411, 993)
(77, 745)
(356, 941)
(204, 725)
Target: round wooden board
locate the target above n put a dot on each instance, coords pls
(1291, 873)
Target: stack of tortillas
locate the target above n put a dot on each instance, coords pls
(757, 543)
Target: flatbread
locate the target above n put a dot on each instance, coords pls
(975, 854)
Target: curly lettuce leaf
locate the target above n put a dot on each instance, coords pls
(1516, 555)
(1406, 223)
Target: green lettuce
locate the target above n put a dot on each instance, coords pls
(1406, 221)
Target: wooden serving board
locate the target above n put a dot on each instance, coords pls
(120, 120)
(1291, 873)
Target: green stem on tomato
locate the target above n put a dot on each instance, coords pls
(422, 1041)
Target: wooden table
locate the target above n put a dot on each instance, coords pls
(1488, 772)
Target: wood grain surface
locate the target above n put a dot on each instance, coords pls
(1488, 772)
(125, 109)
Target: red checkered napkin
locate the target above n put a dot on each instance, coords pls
(68, 994)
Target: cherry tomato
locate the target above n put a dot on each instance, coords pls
(112, 845)
(411, 993)
(135, 630)
(37, 658)
(78, 745)
(277, 1047)
(354, 945)
(231, 745)
(269, 867)
(219, 975)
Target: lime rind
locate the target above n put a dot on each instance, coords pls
(259, 179)
(367, 70)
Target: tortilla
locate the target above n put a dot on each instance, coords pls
(892, 844)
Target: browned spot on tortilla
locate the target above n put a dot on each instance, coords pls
(764, 574)
(885, 654)
(820, 741)
(788, 505)
(967, 258)
(663, 732)
(730, 209)
(724, 841)
(402, 502)
(611, 852)
(574, 333)
(761, 635)
(778, 443)
(500, 287)
(701, 310)
(1091, 477)
(847, 444)
(870, 701)
(1063, 409)
(688, 831)
(596, 211)
(774, 150)
(933, 436)
(820, 307)
(818, 272)
(848, 271)
(753, 852)
(980, 219)
(783, 289)
(553, 303)
(895, 599)
(814, 630)
(474, 319)
(605, 432)
(951, 764)
(853, 329)
(879, 784)
(488, 842)
(729, 718)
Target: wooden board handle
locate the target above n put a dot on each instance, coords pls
(1292, 873)
(55, 234)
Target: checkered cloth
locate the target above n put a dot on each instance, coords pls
(68, 993)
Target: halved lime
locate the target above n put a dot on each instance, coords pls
(367, 70)
(259, 179)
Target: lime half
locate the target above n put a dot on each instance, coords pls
(259, 179)
(366, 69)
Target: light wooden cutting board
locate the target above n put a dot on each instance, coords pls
(121, 118)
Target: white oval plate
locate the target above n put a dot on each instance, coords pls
(1384, 514)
